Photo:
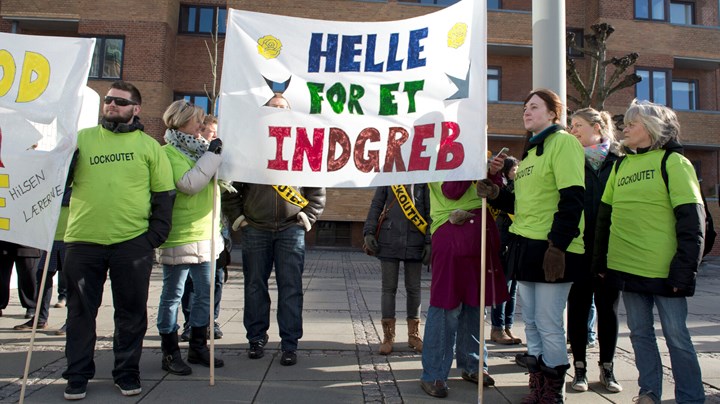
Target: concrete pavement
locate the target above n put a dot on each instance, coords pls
(337, 357)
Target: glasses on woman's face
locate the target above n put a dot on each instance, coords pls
(120, 102)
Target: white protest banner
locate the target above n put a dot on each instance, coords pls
(370, 103)
(41, 94)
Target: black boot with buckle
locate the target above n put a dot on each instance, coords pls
(171, 358)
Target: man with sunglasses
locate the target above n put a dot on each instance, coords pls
(120, 211)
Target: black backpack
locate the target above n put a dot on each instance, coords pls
(710, 233)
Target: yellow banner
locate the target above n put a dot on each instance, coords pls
(291, 195)
(408, 207)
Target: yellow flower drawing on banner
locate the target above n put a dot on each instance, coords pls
(269, 46)
(456, 35)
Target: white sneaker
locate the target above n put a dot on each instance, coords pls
(607, 378)
(580, 381)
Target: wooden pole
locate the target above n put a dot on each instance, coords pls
(43, 278)
(213, 263)
(483, 256)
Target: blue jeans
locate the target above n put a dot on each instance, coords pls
(173, 286)
(286, 250)
(502, 314)
(543, 305)
(592, 318)
(446, 331)
(186, 301)
(685, 366)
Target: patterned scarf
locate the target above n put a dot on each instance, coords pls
(194, 148)
(189, 145)
(595, 154)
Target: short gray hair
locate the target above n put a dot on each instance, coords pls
(180, 112)
(660, 121)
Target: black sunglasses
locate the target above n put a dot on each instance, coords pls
(120, 102)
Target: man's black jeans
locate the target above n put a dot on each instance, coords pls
(86, 268)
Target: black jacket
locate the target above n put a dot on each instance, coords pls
(595, 181)
(398, 237)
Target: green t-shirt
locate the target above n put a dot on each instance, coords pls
(537, 182)
(192, 214)
(114, 176)
(441, 207)
(62, 223)
(642, 233)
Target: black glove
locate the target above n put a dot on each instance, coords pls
(487, 189)
(371, 243)
(215, 146)
(554, 263)
(426, 254)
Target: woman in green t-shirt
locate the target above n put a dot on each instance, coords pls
(187, 250)
(649, 243)
(545, 255)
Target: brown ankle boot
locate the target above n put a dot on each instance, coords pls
(498, 336)
(414, 340)
(388, 325)
(510, 335)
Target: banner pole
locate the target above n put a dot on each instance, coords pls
(34, 326)
(483, 256)
(213, 264)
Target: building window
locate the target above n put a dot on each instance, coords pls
(682, 12)
(494, 4)
(654, 86)
(201, 20)
(201, 100)
(684, 94)
(107, 59)
(676, 12)
(650, 10)
(493, 84)
(434, 2)
(334, 234)
(579, 40)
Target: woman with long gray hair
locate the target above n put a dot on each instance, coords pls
(649, 244)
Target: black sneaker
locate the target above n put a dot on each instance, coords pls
(257, 348)
(129, 385)
(185, 336)
(289, 358)
(76, 389)
(216, 331)
(520, 360)
(29, 325)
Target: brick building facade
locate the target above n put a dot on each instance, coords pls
(162, 49)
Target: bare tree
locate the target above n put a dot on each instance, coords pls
(596, 87)
(213, 54)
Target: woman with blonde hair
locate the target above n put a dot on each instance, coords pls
(596, 133)
(187, 250)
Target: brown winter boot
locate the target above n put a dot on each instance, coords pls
(554, 388)
(414, 340)
(388, 325)
(536, 382)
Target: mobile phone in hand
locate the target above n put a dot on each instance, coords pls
(503, 150)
